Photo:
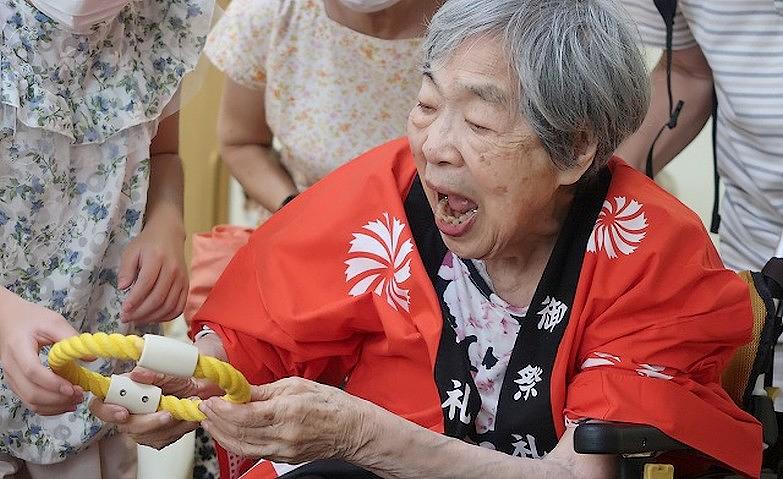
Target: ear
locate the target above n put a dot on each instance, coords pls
(585, 148)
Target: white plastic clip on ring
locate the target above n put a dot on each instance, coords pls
(136, 398)
(168, 356)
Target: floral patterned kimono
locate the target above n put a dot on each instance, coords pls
(632, 321)
(77, 116)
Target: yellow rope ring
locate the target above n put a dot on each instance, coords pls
(63, 356)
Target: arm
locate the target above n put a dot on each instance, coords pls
(340, 426)
(246, 146)
(398, 449)
(691, 83)
(165, 203)
(153, 264)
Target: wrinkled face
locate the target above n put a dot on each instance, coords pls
(490, 182)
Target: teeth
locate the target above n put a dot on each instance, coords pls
(444, 213)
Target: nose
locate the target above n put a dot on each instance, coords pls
(440, 147)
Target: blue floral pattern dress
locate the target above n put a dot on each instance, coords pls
(77, 116)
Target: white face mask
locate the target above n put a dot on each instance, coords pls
(79, 15)
(368, 6)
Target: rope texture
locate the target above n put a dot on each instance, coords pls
(65, 353)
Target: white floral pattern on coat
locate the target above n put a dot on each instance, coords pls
(620, 228)
(380, 261)
(77, 116)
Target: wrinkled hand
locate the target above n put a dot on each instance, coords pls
(158, 429)
(153, 267)
(292, 420)
(24, 328)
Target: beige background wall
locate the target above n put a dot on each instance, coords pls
(205, 178)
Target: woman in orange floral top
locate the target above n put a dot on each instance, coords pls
(327, 80)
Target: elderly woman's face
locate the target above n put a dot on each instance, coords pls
(490, 182)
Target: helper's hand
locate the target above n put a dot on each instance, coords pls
(25, 328)
(158, 429)
(153, 267)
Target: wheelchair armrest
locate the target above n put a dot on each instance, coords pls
(619, 438)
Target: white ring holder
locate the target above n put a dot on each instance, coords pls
(162, 355)
(168, 356)
(136, 398)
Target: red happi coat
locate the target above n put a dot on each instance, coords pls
(334, 288)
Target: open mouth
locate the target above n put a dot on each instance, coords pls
(455, 214)
(455, 209)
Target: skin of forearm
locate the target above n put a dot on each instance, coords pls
(211, 345)
(694, 88)
(259, 171)
(394, 448)
(165, 203)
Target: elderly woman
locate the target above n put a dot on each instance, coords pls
(485, 284)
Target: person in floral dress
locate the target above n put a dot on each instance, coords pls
(91, 226)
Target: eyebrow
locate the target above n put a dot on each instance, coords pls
(485, 91)
(489, 93)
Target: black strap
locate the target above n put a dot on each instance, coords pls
(715, 223)
(773, 275)
(667, 9)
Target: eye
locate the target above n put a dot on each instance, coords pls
(144, 399)
(123, 392)
(425, 108)
(477, 128)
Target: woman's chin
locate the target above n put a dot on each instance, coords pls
(465, 242)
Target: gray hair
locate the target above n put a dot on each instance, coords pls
(578, 63)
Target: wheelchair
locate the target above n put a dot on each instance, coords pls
(640, 447)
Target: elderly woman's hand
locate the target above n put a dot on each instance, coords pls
(292, 420)
(158, 429)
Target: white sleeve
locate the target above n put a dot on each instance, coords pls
(653, 29)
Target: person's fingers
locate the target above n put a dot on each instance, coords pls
(183, 297)
(129, 266)
(168, 310)
(142, 424)
(238, 442)
(145, 281)
(236, 419)
(108, 412)
(286, 386)
(154, 300)
(205, 389)
(267, 392)
(156, 430)
(36, 383)
(44, 403)
(263, 392)
(49, 382)
(180, 387)
(228, 413)
(55, 330)
(145, 376)
(41, 401)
